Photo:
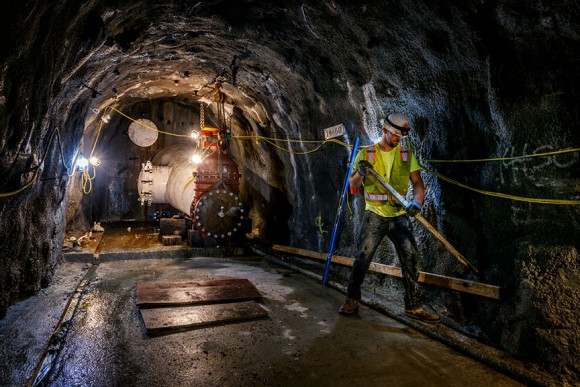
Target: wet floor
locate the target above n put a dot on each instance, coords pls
(303, 342)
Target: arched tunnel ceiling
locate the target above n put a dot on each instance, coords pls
(181, 51)
(284, 68)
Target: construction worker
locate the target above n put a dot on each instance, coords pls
(384, 216)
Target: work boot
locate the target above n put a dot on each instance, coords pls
(422, 315)
(349, 307)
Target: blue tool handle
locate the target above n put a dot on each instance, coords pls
(339, 212)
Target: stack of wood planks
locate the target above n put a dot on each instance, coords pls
(167, 306)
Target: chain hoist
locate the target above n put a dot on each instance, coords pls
(201, 116)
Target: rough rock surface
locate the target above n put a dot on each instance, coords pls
(480, 79)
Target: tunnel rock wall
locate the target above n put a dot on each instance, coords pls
(509, 239)
(35, 103)
(479, 82)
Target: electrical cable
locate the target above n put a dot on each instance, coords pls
(506, 158)
(498, 194)
(501, 195)
(489, 193)
(272, 141)
(36, 169)
(87, 179)
(348, 204)
(62, 154)
(146, 126)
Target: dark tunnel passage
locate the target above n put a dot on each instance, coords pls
(490, 89)
(123, 146)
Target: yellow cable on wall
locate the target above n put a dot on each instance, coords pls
(501, 195)
(273, 141)
(506, 158)
(498, 194)
(87, 178)
(36, 169)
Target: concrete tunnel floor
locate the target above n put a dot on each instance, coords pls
(303, 342)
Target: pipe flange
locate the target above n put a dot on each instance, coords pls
(218, 213)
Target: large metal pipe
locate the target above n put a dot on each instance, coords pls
(168, 178)
(207, 192)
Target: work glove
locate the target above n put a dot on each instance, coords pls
(363, 166)
(413, 208)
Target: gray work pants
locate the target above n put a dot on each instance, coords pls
(398, 229)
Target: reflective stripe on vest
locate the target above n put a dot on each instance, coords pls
(404, 153)
(370, 154)
(382, 197)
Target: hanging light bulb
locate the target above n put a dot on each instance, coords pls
(195, 134)
(95, 161)
(106, 118)
(82, 163)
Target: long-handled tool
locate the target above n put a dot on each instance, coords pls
(379, 179)
(339, 212)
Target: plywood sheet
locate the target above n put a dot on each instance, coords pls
(195, 292)
(162, 319)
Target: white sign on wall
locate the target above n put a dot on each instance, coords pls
(334, 131)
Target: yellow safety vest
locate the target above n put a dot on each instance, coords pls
(398, 177)
(402, 162)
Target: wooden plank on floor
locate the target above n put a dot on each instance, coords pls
(165, 295)
(170, 240)
(164, 319)
(188, 284)
(472, 287)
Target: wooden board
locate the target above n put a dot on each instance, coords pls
(472, 287)
(170, 240)
(161, 319)
(171, 227)
(188, 284)
(195, 292)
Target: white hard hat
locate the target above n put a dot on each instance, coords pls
(398, 122)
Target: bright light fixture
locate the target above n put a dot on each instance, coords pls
(195, 159)
(95, 161)
(82, 163)
(195, 134)
(105, 118)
